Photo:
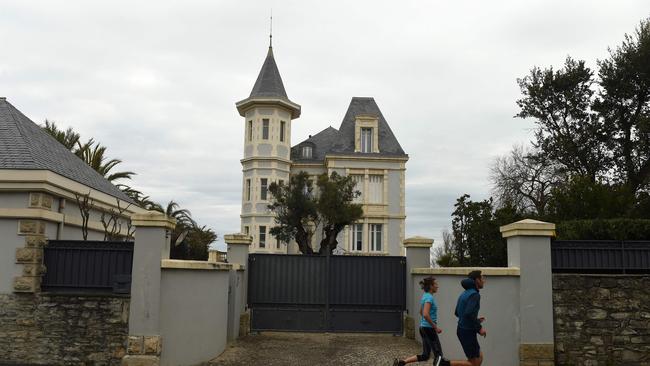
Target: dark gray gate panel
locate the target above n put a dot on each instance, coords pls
(600, 256)
(286, 279)
(291, 292)
(374, 281)
(302, 318)
(359, 320)
(90, 266)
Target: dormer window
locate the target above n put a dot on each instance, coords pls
(366, 134)
(306, 152)
(366, 140)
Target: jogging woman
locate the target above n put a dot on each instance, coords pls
(428, 327)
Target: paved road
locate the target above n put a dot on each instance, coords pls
(316, 349)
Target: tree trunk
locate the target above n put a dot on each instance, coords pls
(303, 241)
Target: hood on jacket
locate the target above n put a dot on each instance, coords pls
(468, 283)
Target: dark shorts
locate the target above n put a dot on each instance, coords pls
(468, 339)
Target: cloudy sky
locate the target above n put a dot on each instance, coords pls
(156, 82)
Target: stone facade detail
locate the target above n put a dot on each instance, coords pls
(53, 329)
(40, 200)
(31, 255)
(31, 227)
(143, 350)
(409, 327)
(602, 320)
(536, 354)
(244, 324)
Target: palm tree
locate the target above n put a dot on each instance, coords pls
(94, 157)
(67, 138)
(139, 198)
(183, 216)
(90, 152)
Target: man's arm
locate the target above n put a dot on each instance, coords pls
(471, 311)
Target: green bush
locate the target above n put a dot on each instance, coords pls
(604, 229)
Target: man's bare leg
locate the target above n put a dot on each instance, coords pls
(477, 361)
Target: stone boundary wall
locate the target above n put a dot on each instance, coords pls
(55, 329)
(601, 319)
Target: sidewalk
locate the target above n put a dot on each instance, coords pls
(316, 349)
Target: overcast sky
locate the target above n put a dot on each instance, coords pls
(157, 82)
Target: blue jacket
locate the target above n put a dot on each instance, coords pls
(468, 305)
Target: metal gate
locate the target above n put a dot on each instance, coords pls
(326, 293)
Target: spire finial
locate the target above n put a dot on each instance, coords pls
(271, 32)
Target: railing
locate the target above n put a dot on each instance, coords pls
(88, 266)
(600, 256)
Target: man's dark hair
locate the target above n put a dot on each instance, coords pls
(474, 275)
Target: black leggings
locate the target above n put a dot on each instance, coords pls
(430, 342)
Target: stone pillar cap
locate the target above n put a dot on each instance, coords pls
(528, 227)
(238, 239)
(153, 219)
(418, 242)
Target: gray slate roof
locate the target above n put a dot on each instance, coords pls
(269, 83)
(341, 142)
(24, 145)
(321, 143)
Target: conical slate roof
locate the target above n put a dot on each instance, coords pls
(24, 145)
(269, 82)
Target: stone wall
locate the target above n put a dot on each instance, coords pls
(602, 319)
(48, 329)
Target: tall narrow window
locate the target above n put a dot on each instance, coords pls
(357, 237)
(375, 237)
(246, 230)
(248, 189)
(358, 186)
(263, 188)
(376, 188)
(366, 140)
(250, 130)
(306, 152)
(282, 127)
(265, 129)
(262, 236)
(277, 243)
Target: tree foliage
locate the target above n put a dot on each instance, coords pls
(296, 213)
(335, 207)
(301, 209)
(475, 236)
(591, 144)
(524, 180)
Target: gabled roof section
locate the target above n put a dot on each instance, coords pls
(24, 145)
(269, 83)
(388, 144)
(320, 142)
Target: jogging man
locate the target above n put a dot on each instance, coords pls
(469, 323)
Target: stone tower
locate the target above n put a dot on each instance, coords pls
(267, 113)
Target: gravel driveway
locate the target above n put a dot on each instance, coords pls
(316, 349)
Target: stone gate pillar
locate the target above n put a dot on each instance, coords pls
(238, 317)
(418, 255)
(152, 244)
(529, 248)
